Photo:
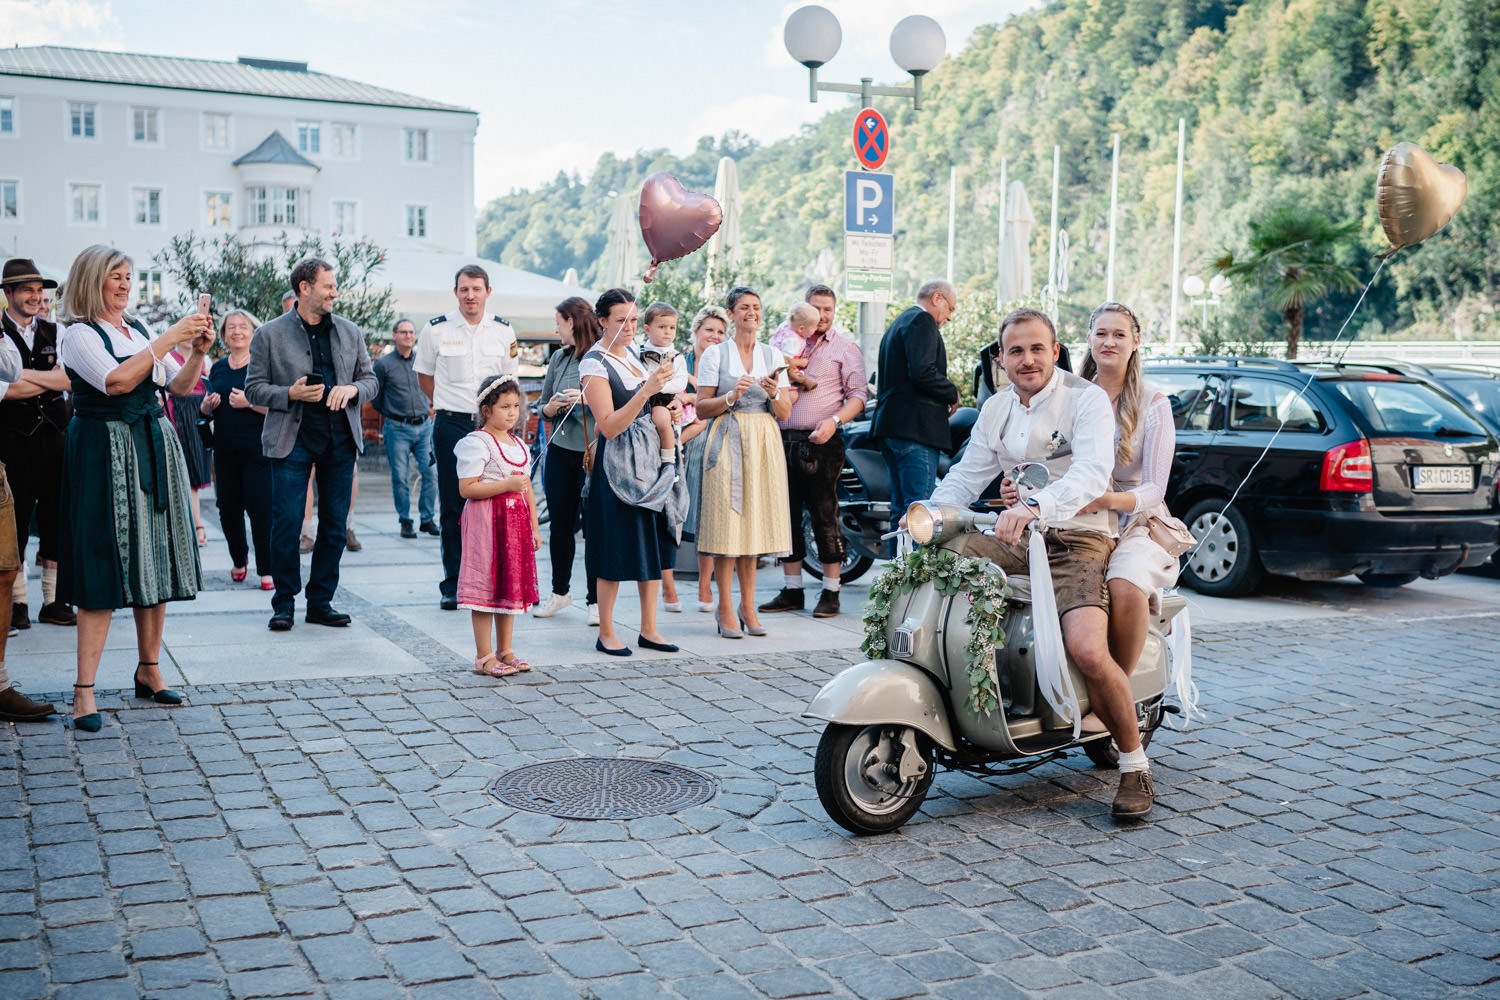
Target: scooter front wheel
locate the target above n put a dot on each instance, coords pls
(857, 772)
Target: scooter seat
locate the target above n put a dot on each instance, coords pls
(1020, 588)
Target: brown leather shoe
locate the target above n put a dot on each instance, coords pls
(828, 604)
(1135, 796)
(350, 542)
(16, 706)
(787, 600)
(18, 616)
(57, 613)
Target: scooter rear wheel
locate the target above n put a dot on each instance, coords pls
(856, 775)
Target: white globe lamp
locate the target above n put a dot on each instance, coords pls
(812, 35)
(918, 44)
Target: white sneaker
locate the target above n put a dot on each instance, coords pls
(593, 614)
(553, 604)
(675, 607)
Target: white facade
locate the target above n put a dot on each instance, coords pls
(87, 161)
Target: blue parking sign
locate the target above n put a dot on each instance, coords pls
(869, 202)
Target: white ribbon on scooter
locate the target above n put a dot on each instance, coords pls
(1052, 676)
(1180, 662)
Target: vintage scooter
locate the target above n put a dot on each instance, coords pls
(892, 720)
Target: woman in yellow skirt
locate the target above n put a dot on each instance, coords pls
(743, 388)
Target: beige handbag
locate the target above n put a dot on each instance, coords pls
(1169, 532)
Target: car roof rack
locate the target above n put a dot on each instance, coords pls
(1474, 367)
(1228, 359)
(1387, 365)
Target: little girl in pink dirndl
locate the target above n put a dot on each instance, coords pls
(497, 577)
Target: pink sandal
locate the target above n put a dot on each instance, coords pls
(489, 665)
(514, 665)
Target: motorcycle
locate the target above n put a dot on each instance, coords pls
(864, 496)
(892, 720)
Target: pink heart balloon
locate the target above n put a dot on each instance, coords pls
(674, 220)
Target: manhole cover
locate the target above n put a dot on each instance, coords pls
(602, 788)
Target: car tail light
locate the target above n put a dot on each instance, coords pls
(1348, 468)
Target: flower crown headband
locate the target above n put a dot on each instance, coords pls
(489, 389)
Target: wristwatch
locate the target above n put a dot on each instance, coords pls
(837, 423)
(1035, 505)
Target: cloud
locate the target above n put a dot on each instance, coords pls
(80, 23)
(502, 165)
(765, 117)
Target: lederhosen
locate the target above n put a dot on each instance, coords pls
(32, 433)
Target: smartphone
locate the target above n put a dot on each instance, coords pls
(314, 379)
(203, 301)
(776, 372)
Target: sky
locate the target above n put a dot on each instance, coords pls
(556, 82)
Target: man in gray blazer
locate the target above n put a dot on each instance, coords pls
(311, 370)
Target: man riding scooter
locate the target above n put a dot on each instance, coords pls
(1054, 418)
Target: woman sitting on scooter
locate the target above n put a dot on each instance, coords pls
(1145, 438)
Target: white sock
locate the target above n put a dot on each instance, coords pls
(668, 456)
(1135, 760)
(832, 586)
(793, 581)
(18, 589)
(49, 584)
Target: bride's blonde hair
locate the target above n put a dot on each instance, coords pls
(1128, 404)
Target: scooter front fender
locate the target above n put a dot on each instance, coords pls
(885, 692)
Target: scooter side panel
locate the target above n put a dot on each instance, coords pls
(884, 692)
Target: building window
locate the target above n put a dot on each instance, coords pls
(216, 205)
(81, 119)
(148, 287)
(271, 206)
(341, 137)
(85, 203)
(10, 201)
(145, 125)
(416, 145)
(7, 115)
(309, 137)
(416, 221)
(215, 130)
(148, 206)
(345, 218)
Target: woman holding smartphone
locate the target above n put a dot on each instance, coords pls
(562, 465)
(127, 538)
(743, 388)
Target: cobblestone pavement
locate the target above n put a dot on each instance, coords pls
(1328, 831)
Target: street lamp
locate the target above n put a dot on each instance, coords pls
(1205, 295)
(813, 36)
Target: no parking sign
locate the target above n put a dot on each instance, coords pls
(872, 139)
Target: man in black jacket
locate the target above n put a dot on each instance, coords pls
(915, 396)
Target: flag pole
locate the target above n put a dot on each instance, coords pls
(1114, 192)
(1177, 232)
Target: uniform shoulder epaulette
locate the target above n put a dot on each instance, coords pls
(500, 319)
(436, 320)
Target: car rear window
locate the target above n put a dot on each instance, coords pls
(1411, 408)
(1258, 404)
(1482, 395)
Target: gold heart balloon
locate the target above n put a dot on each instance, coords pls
(1416, 195)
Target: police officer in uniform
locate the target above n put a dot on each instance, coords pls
(33, 424)
(454, 354)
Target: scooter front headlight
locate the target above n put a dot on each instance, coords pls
(924, 522)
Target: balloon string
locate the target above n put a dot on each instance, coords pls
(582, 378)
(1300, 393)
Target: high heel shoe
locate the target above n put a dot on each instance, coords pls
(166, 696)
(751, 629)
(727, 633)
(238, 575)
(90, 723)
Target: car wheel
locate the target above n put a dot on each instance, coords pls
(1386, 579)
(1224, 562)
(852, 568)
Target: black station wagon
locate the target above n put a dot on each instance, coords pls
(1331, 469)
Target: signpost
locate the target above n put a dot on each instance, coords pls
(869, 229)
(869, 202)
(869, 253)
(867, 286)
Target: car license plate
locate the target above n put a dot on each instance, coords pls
(1442, 478)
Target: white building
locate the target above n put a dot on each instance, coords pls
(130, 150)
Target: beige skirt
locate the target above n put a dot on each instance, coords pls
(1138, 560)
(763, 525)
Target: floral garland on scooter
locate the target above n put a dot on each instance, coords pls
(950, 573)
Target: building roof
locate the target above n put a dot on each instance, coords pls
(275, 149)
(259, 77)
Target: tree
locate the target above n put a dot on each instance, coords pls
(1291, 256)
(254, 277)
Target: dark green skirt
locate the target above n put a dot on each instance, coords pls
(116, 550)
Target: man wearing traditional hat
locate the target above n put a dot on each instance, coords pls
(33, 424)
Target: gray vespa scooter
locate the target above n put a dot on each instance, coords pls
(892, 720)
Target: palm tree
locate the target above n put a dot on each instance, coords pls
(1291, 256)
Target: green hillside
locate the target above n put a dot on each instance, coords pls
(1286, 101)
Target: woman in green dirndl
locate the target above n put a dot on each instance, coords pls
(127, 538)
